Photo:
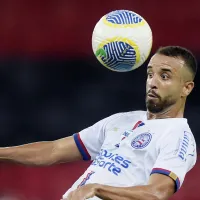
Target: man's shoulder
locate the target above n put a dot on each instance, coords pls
(179, 124)
(175, 128)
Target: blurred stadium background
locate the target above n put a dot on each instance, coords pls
(51, 85)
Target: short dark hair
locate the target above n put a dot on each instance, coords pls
(183, 53)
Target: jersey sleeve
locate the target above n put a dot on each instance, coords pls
(90, 140)
(177, 155)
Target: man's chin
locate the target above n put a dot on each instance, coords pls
(153, 106)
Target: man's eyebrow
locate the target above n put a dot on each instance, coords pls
(149, 67)
(162, 68)
(166, 70)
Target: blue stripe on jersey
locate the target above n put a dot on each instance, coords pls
(168, 173)
(81, 147)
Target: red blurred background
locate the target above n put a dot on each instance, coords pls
(52, 182)
(65, 27)
(48, 69)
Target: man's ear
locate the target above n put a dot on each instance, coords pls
(187, 89)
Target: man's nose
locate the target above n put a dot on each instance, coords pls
(153, 82)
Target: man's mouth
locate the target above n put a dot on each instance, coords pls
(152, 95)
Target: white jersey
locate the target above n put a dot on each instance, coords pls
(126, 149)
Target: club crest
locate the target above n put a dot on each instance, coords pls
(141, 141)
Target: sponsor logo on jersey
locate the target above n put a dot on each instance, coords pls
(183, 151)
(112, 162)
(141, 141)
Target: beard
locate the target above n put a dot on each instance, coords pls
(158, 105)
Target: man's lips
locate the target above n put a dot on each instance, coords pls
(152, 95)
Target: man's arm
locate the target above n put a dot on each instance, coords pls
(160, 187)
(42, 153)
(82, 146)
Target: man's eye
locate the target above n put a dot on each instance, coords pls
(150, 75)
(164, 76)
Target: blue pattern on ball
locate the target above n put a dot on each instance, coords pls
(123, 17)
(120, 56)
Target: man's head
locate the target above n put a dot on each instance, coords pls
(170, 75)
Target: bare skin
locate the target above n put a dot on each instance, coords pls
(169, 82)
(42, 153)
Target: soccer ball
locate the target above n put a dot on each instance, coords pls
(122, 40)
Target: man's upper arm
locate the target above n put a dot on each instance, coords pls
(163, 186)
(65, 150)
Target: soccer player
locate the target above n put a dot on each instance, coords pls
(139, 155)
